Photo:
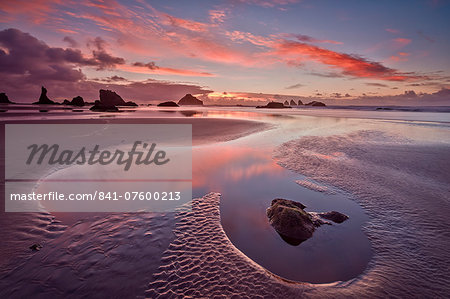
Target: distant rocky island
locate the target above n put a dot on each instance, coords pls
(4, 99)
(76, 101)
(109, 100)
(190, 100)
(275, 105)
(168, 104)
(316, 104)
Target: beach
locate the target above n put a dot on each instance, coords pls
(388, 175)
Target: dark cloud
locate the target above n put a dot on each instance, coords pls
(27, 63)
(295, 86)
(34, 61)
(114, 78)
(424, 36)
(117, 78)
(376, 84)
(28, 59)
(72, 42)
(327, 75)
(151, 65)
(100, 57)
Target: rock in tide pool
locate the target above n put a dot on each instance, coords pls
(294, 224)
(334, 216)
(289, 219)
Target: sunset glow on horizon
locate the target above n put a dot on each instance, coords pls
(227, 52)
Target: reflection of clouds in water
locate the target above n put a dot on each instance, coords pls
(247, 162)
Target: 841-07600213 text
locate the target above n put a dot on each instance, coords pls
(99, 195)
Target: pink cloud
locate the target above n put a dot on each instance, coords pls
(269, 3)
(217, 15)
(401, 56)
(401, 42)
(152, 68)
(350, 65)
(185, 24)
(393, 31)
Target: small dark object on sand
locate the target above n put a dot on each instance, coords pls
(36, 247)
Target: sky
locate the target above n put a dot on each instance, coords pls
(228, 52)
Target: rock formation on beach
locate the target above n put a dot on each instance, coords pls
(77, 101)
(189, 100)
(168, 104)
(275, 105)
(316, 103)
(110, 98)
(292, 103)
(294, 224)
(43, 99)
(300, 102)
(108, 102)
(131, 104)
(4, 99)
(102, 107)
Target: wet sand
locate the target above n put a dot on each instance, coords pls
(188, 253)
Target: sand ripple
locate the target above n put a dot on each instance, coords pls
(202, 262)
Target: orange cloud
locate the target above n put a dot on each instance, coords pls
(401, 56)
(269, 3)
(351, 65)
(393, 31)
(401, 42)
(37, 11)
(217, 16)
(143, 69)
(186, 24)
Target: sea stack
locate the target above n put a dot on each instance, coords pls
(274, 105)
(43, 99)
(316, 104)
(101, 107)
(4, 99)
(110, 98)
(77, 101)
(190, 100)
(168, 104)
